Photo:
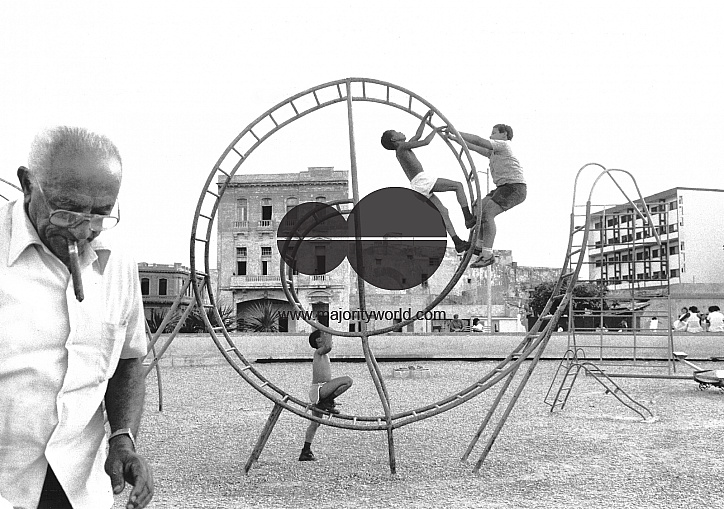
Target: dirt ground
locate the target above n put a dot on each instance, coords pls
(594, 453)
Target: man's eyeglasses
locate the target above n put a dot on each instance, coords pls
(69, 219)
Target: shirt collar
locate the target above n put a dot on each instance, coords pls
(24, 235)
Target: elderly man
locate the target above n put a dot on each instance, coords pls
(71, 333)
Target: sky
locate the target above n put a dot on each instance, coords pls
(630, 85)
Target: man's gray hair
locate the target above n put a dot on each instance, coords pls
(66, 140)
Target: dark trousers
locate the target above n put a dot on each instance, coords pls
(53, 496)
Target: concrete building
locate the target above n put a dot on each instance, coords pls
(689, 262)
(161, 285)
(249, 215)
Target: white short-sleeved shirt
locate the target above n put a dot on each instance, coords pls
(716, 321)
(56, 356)
(504, 166)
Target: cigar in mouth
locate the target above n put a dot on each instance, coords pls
(75, 269)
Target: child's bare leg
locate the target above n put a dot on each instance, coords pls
(460, 244)
(442, 185)
(445, 215)
(488, 228)
(307, 454)
(311, 429)
(335, 387)
(484, 243)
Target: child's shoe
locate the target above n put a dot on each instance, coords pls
(462, 246)
(307, 456)
(328, 405)
(483, 261)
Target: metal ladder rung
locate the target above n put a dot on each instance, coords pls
(213, 193)
(200, 240)
(238, 153)
(276, 124)
(231, 349)
(222, 171)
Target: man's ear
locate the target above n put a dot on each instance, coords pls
(25, 184)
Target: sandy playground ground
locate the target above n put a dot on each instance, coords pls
(594, 453)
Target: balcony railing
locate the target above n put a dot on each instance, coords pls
(268, 281)
(274, 281)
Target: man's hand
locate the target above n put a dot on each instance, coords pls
(125, 466)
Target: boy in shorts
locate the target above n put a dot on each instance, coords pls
(424, 183)
(324, 388)
(510, 188)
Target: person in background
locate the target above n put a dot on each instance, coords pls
(716, 319)
(477, 326)
(456, 324)
(654, 323)
(693, 322)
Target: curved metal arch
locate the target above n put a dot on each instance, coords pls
(223, 179)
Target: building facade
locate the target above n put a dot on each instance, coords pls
(161, 285)
(250, 213)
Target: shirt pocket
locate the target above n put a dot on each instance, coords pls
(113, 336)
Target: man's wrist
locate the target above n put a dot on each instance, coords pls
(123, 434)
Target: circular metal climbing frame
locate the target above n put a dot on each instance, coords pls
(347, 91)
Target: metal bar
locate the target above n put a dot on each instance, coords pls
(488, 416)
(266, 432)
(369, 357)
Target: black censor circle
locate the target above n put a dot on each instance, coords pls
(394, 238)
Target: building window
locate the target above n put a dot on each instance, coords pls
(144, 286)
(321, 254)
(321, 199)
(673, 250)
(241, 268)
(655, 253)
(163, 286)
(266, 251)
(291, 203)
(241, 252)
(674, 272)
(266, 209)
(672, 228)
(672, 205)
(242, 213)
(265, 268)
(682, 246)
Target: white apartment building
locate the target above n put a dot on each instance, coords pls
(623, 251)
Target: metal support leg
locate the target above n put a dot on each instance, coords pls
(266, 432)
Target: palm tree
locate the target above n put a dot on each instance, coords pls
(154, 321)
(195, 321)
(261, 317)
